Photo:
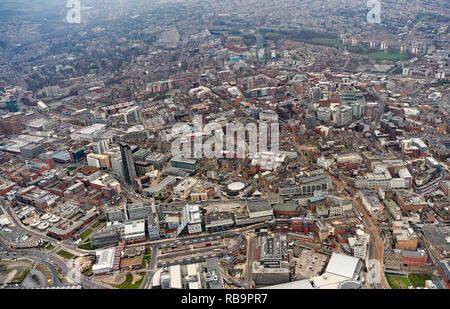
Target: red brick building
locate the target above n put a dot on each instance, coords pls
(414, 259)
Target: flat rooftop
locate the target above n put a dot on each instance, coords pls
(258, 205)
(343, 265)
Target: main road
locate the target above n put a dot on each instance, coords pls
(249, 278)
(6, 253)
(152, 269)
(374, 229)
(49, 260)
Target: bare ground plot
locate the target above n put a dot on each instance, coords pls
(129, 262)
(14, 271)
(136, 278)
(113, 279)
(10, 276)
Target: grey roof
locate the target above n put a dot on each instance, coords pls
(287, 206)
(258, 205)
(446, 184)
(212, 265)
(438, 236)
(175, 171)
(313, 179)
(412, 253)
(185, 160)
(218, 216)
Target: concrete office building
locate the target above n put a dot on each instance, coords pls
(268, 275)
(307, 185)
(271, 254)
(191, 220)
(139, 211)
(159, 188)
(357, 110)
(117, 167)
(213, 278)
(342, 116)
(268, 116)
(444, 271)
(153, 227)
(269, 268)
(132, 115)
(324, 114)
(141, 154)
(105, 238)
(100, 147)
(310, 122)
(31, 150)
(158, 160)
(98, 160)
(187, 164)
(134, 231)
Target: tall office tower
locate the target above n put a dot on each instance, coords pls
(261, 54)
(259, 41)
(342, 116)
(315, 94)
(132, 115)
(128, 163)
(310, 122)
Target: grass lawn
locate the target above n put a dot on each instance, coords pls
(418, 280)
(334, 42)
(127, 285)
(50, 247)
(397, 282)
(274, 36)
(426, 17)
(387, 56)
(96, 225)
(147, 257)
(65, 254)
(145, 260)
(86, 246)
(86, 233)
